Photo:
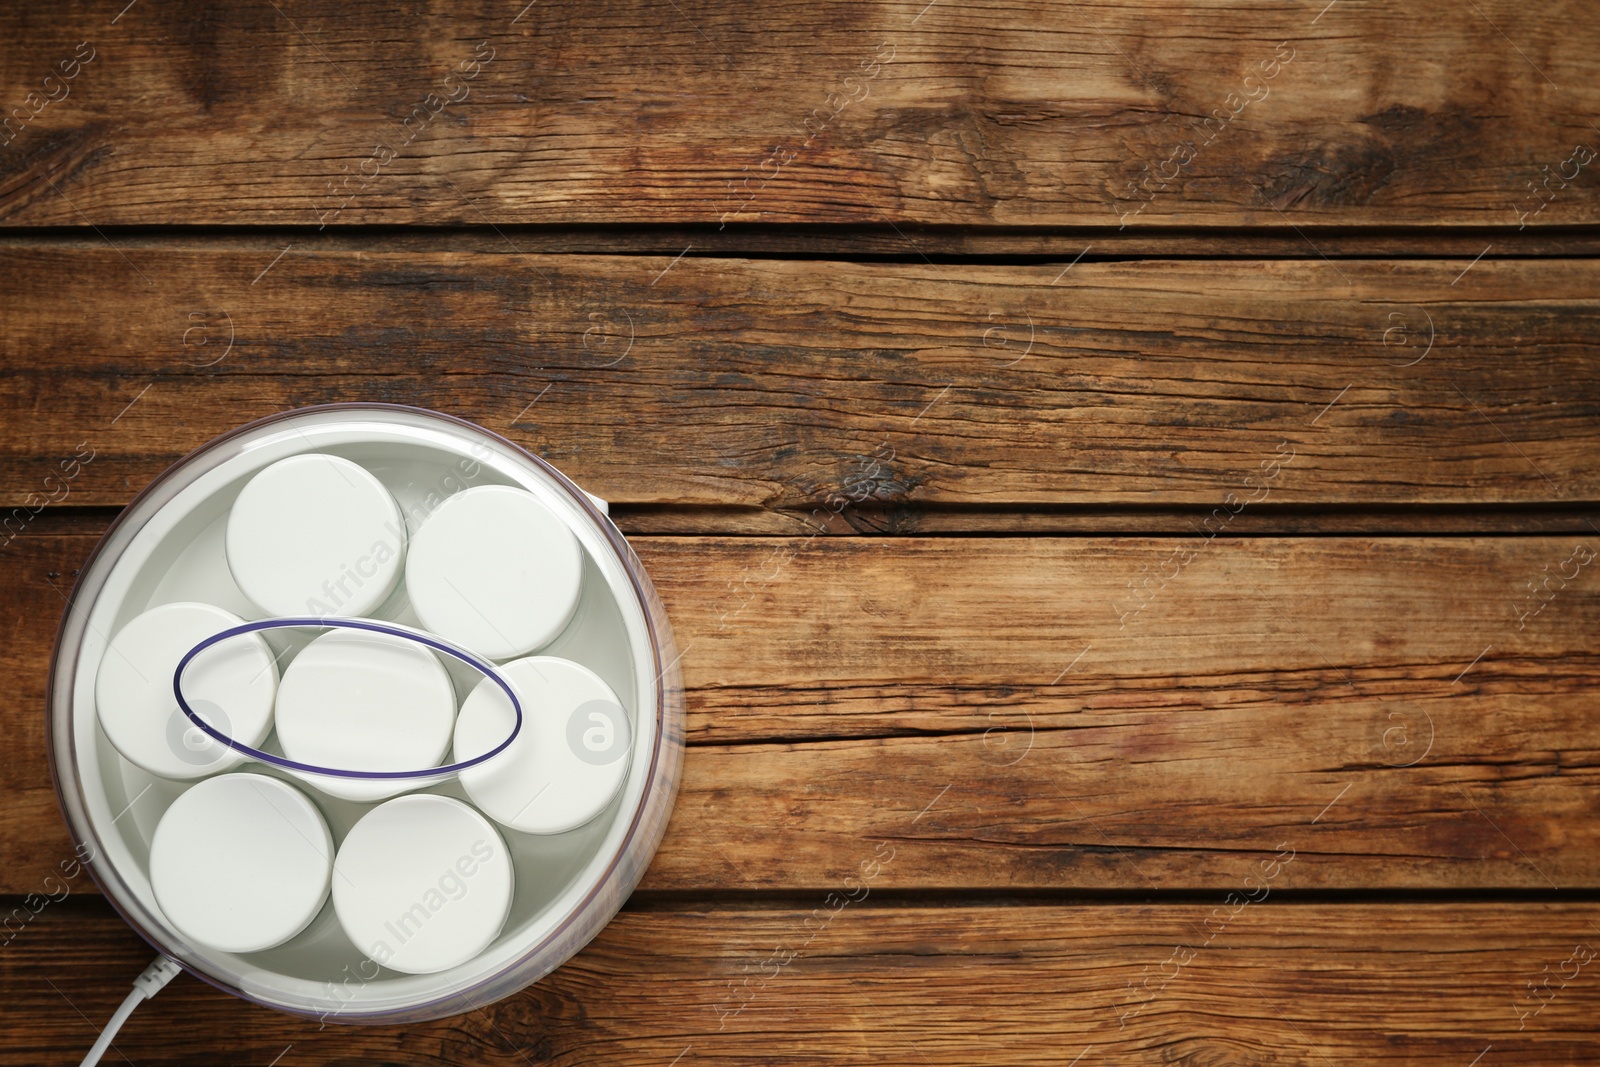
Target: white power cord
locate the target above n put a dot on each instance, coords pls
(155, 977)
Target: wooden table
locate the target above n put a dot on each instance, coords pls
(1123, 478)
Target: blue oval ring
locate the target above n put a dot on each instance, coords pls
(482, 666)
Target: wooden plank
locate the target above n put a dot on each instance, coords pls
(997, 709)
(931, 520)
(862, 241)
(1156, 113)
(1072, 520)
(807, 388)
(863, 982)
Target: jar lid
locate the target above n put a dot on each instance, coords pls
(315, 534)
(422, 883)
(240, 862)
(368, 702)
(230, 685)
(568, 761)
(494, 570)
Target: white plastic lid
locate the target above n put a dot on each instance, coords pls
(240, 862)
(494, 570)
(422, 883)
(568, 761)
(315, 535)
(230, 685)
(361, 701)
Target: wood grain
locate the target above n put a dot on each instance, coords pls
(1208, 390)
(787, 392)
(1014, 114)
(870, 983)
(996, 708)
(907, 243)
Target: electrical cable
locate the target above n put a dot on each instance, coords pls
(161, 971)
